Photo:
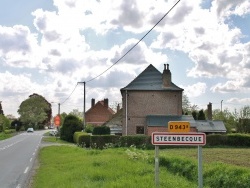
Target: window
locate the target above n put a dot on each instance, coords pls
(140, 130)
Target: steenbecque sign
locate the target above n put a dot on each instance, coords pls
(166, 138)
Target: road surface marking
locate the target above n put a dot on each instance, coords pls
(30, 159)
(18, 186)
(26, 170)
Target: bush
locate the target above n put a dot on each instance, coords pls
(102, 130)
(101, 142)
(228, 140)
(141, 141)
(71, 124)
(82, 139)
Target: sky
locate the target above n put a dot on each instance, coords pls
(48, 47)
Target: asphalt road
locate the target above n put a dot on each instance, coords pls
(17, 156)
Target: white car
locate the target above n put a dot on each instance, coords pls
(30, 130)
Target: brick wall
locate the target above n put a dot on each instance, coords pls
(143, 103)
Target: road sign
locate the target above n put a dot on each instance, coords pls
(166, 138)
(178, 126)
(57, 121)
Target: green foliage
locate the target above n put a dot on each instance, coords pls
(201, 115)
(89, 128)
(242, 140)
(214, 175)
(68, 167)
(4, 123)
(243, 126)
(102, 130)
(180, 166)
(70, 126)
(141, 141)
(84, 141)
(35, 112)
(16, 124)
(222, 175)
(101, 141)
(9, 131)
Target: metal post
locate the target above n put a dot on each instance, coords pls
(221, 105)
(200, 176)
(84, 104)
(157, 182)
(126, 115)
(59, 108)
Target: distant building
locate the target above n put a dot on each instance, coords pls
(99, 113)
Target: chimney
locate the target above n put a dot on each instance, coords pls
(118, 108)
(92, 102)
(166, 76)
(106, 103)
(209, 111)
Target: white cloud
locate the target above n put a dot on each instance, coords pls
(195, 90)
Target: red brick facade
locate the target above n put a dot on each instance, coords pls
(99, 113)
(142, 103)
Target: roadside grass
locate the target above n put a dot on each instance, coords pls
(231, 156)
(70, 167)
(4, 136)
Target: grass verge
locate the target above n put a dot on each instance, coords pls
(70, 167)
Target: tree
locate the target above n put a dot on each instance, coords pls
(228, 118)
(77, 113)
(16, 124)
(201, 115)
(185, 104)
(70, 126)
(35, 112)
(4, 122)
(187, 108)
(1, 109)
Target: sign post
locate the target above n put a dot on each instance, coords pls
(170, 138)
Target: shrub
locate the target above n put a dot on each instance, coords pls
(102, 130)
(141, 141)
(101, 142)
(82, 139)
(71, 124)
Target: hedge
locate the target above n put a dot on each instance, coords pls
(143, 141)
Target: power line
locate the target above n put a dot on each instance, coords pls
(117, 61)
(135, 43)
(70, 94)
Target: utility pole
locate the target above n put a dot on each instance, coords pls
(84, 102)
(221, 105)
(59, 108)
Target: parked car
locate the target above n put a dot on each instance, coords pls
(53, 133)
(30, 130)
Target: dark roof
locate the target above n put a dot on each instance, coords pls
(150, 79)
(210, 126)
(162, 120)
(205, 126)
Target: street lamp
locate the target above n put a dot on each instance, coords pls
(221, 105)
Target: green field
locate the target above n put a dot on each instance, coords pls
(231, 156)
(70, 167)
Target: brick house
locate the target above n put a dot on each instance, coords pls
(150, 93)
(151, 100)
(99, 113)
